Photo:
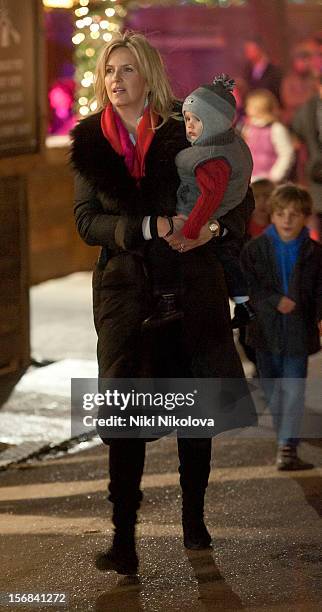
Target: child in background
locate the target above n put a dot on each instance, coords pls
(268, 139)
(283, 268)
(260, 219)
(215, 174)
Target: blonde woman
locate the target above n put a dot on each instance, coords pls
(125, 199)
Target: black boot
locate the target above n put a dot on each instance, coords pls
(166, 311)
(194, 455)
(121, 556)
(195, 533)
(243, 314)
(126, 467)
(288, 460)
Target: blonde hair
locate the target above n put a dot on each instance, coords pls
(270, 102)
(151, 67)
(290, 194)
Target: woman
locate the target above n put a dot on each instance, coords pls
(124, 196)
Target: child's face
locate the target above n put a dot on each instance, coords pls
(288, 222)
(261, 202)
(256, 108)
(194, 126)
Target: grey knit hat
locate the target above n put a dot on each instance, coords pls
(215, 105)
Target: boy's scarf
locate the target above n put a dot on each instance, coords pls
(117, 135)
(286, 253)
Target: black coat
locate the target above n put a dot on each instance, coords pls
(109, 209)
(270, 79)
(268, 331)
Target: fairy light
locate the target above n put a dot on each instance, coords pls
(65, 4)
(78, 38)
(96, 22)
(81, 11)
(95, 25)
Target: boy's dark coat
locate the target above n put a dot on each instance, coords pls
(296, 333)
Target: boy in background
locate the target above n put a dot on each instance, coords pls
(283, 268)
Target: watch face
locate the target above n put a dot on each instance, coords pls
(213, 228)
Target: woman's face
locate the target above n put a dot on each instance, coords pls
(125, 86)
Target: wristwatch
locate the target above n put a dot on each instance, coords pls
(214, 228)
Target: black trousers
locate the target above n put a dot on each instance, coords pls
(126, 469)
(164, 266)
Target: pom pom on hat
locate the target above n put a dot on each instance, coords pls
(225, 81)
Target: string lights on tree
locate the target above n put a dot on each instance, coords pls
(95, 23)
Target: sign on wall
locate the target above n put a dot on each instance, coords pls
(19, 78)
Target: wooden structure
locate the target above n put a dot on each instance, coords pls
(20, 147)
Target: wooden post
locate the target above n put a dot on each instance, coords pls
(21, 146)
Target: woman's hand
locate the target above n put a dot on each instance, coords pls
(181, 244)
(163, 226)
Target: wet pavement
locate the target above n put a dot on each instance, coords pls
(266, 527)
(54, 516)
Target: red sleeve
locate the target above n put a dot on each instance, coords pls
(212, 179)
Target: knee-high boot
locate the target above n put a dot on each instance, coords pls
(126, 469)
(194, 469)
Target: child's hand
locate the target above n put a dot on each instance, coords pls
(285, 305)
(179, 222)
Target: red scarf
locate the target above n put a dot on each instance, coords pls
(117, 135)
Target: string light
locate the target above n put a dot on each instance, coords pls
(66, 4)
(95, 25)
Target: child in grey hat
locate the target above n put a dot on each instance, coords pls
(215, 173)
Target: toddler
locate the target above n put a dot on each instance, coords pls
(215, 175)
(268, 139)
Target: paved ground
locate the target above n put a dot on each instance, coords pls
(267, 530)
(54, 517)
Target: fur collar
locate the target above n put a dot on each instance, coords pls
(93, 157)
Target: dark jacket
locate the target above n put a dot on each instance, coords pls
(271, 79)
(296, 333)
(109, 208)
